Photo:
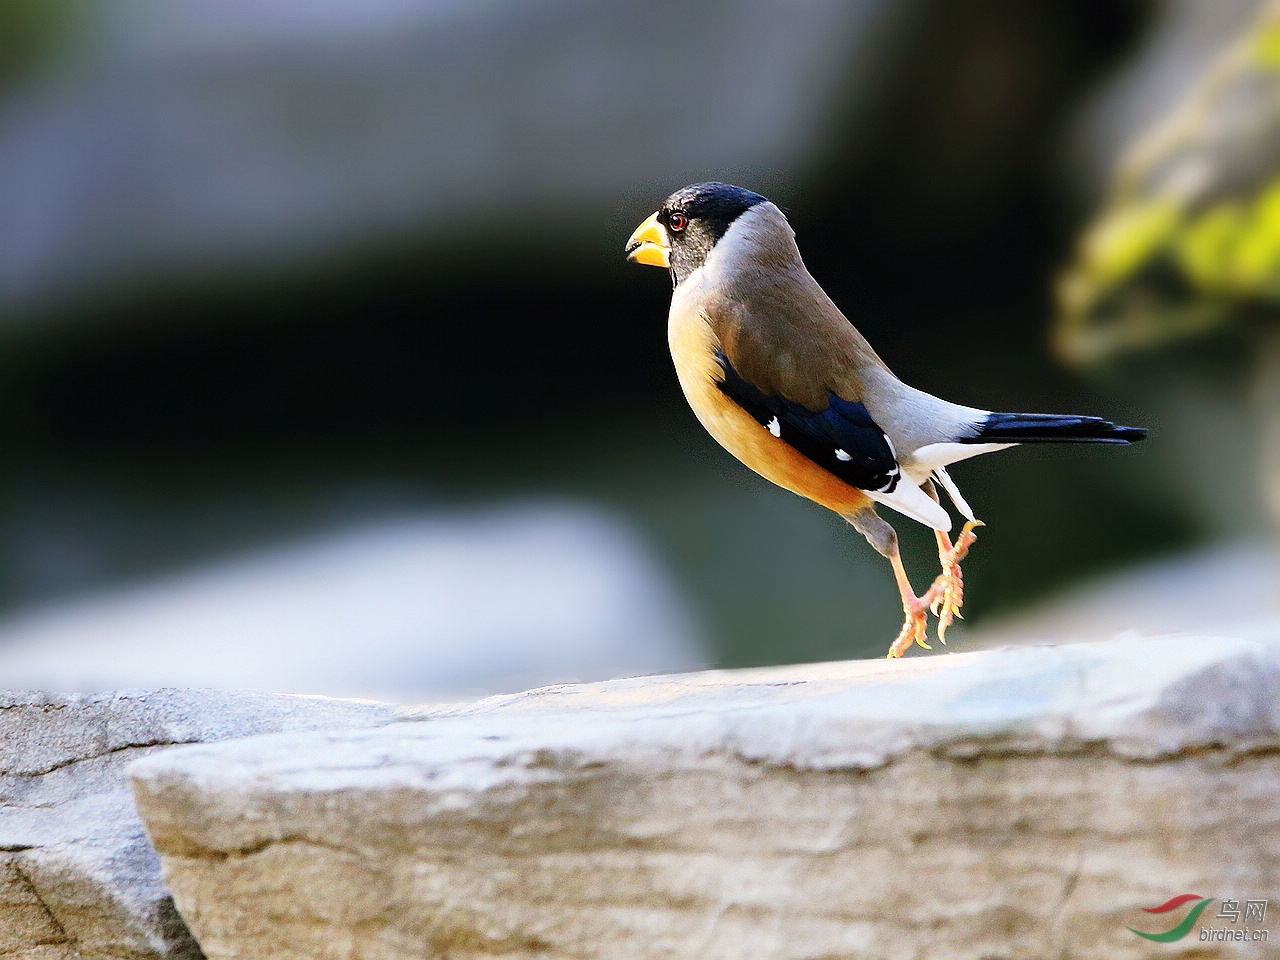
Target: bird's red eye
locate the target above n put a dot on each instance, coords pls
(678, 221)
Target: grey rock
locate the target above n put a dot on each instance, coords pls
(413, 608)
(191, 137)
(1015, 803)
(77, 875)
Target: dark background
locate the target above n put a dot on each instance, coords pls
(158, 423)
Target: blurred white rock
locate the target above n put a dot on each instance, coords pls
(194, 137)
(416, 608)
(1226, 590)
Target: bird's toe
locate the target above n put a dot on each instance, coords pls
(914, 631)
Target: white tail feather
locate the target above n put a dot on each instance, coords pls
(953, 492)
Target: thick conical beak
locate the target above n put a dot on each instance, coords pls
(649, 244)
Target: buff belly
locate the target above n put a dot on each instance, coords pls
(693, 348)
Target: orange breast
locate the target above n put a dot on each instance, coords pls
(693, 348)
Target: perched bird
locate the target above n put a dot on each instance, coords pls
(783, 381)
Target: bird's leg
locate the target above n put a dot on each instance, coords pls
(885, 539)
(915, 625)
(948, 589)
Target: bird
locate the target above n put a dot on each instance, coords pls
(785, 383)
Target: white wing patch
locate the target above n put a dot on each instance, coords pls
(842, 455)
(775, 427)
(909, 500)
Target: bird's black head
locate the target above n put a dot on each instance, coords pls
(688, 225)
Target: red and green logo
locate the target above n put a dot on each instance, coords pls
(1183, 928)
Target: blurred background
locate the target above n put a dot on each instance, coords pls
(321, 369)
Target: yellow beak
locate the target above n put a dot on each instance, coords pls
(649, 244)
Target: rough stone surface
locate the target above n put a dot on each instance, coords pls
(1008, 803)
(78, 878)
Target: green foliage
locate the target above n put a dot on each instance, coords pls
(1191, 237)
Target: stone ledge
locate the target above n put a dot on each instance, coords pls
(1020, 802)
(78, 878)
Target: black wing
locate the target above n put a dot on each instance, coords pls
(842, 438)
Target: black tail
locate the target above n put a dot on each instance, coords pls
(1052, 428)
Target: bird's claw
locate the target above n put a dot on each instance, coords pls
(963, 542)
(950, 597)
(947, 591)
(914, 626)
(914, 630)
(943, 599)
